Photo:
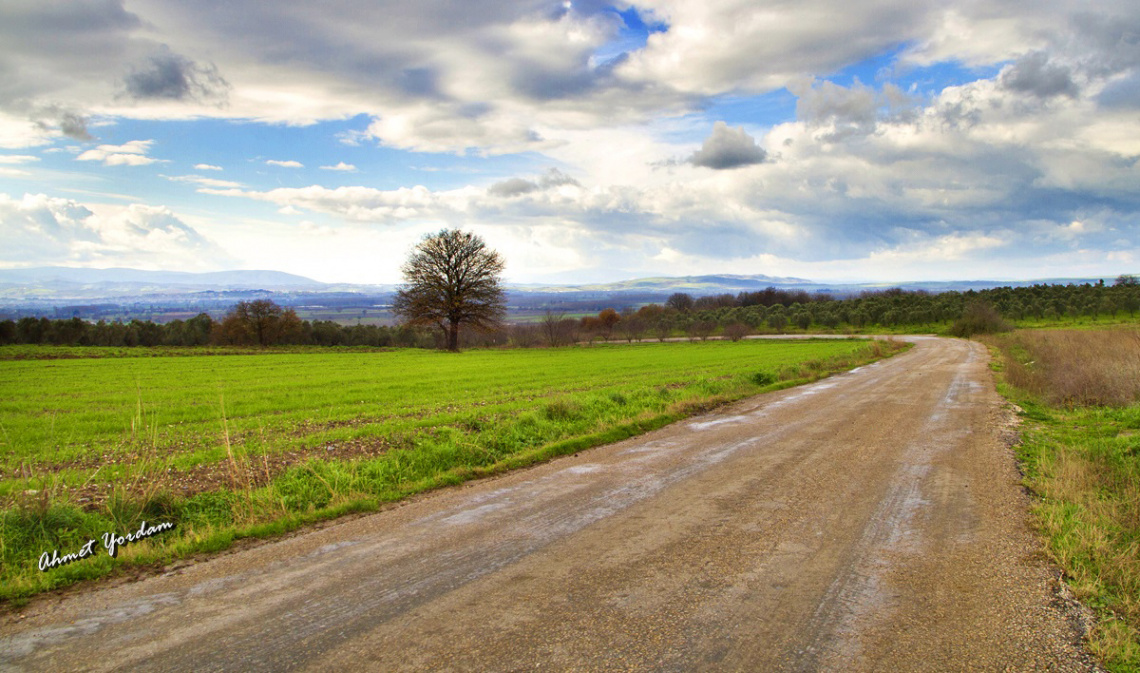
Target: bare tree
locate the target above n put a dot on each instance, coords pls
(632, 326)
(551, 327)
(680, 302)
(260, 322)
(452, 280)
(736, 331)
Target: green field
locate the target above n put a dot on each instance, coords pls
(255, 443)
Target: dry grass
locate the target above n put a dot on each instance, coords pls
(1073, 368)
(1080, 394)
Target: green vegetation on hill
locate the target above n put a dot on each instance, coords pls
(255, 444)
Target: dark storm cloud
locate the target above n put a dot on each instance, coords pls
(1034, 74)
(170, 76)
(728, 148)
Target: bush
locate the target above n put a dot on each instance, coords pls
(979, 318)
(763, 378)
(736, 331)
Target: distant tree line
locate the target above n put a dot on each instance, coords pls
(777, 311)
(264, 323)
(249, 323)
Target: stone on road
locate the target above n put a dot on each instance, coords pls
(871, 521)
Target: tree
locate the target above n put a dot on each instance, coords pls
(680, 302)
(452, 280)
(260, 322)
(736, 331)
(607, 320)
(551, 327)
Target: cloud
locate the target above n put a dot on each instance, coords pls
(341, 166)
(285, 164)
(1034, 74)
(207, 167)
(829, 103)
(132, 153)
(15, 159)
(512, 187)
(518, 186)
(38, 229)
(503, 78)
(203, 181)
(69, 123)
(169, 76)
(728, 148)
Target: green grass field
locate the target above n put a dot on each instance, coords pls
(228, 446)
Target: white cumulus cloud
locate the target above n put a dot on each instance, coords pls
(132, 153)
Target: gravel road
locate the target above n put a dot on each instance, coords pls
(872, 521)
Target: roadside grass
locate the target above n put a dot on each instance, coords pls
(237, 447)
(1079, 394)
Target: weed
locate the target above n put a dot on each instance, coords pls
(763, 378)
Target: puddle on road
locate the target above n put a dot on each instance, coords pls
(704, 425)
(583, 469)
(474, 514)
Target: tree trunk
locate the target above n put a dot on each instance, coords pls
(453, 337)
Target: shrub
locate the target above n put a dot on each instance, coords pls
(763, 378)
(736, 331)
(979, 318)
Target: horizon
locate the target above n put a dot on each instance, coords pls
(509, 282)
(588, 142)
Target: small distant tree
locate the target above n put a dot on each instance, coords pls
(590, 326)
(736, 331)
(1127, 279)
(702, 329)
(452, 280)
(260, 323)
(525, 336)
(607, 321)
(680, 302)
(633, 327)
(551, 327)
(568, 330)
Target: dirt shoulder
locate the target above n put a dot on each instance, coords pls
(870, 521)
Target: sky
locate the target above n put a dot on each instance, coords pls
(585, 141)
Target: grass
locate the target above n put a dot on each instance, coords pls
(1080, 450)
(257, 444)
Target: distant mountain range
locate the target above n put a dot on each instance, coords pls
(692, 284)
(63, 275)
(55, 284)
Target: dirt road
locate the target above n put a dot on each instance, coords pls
(872, 521)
